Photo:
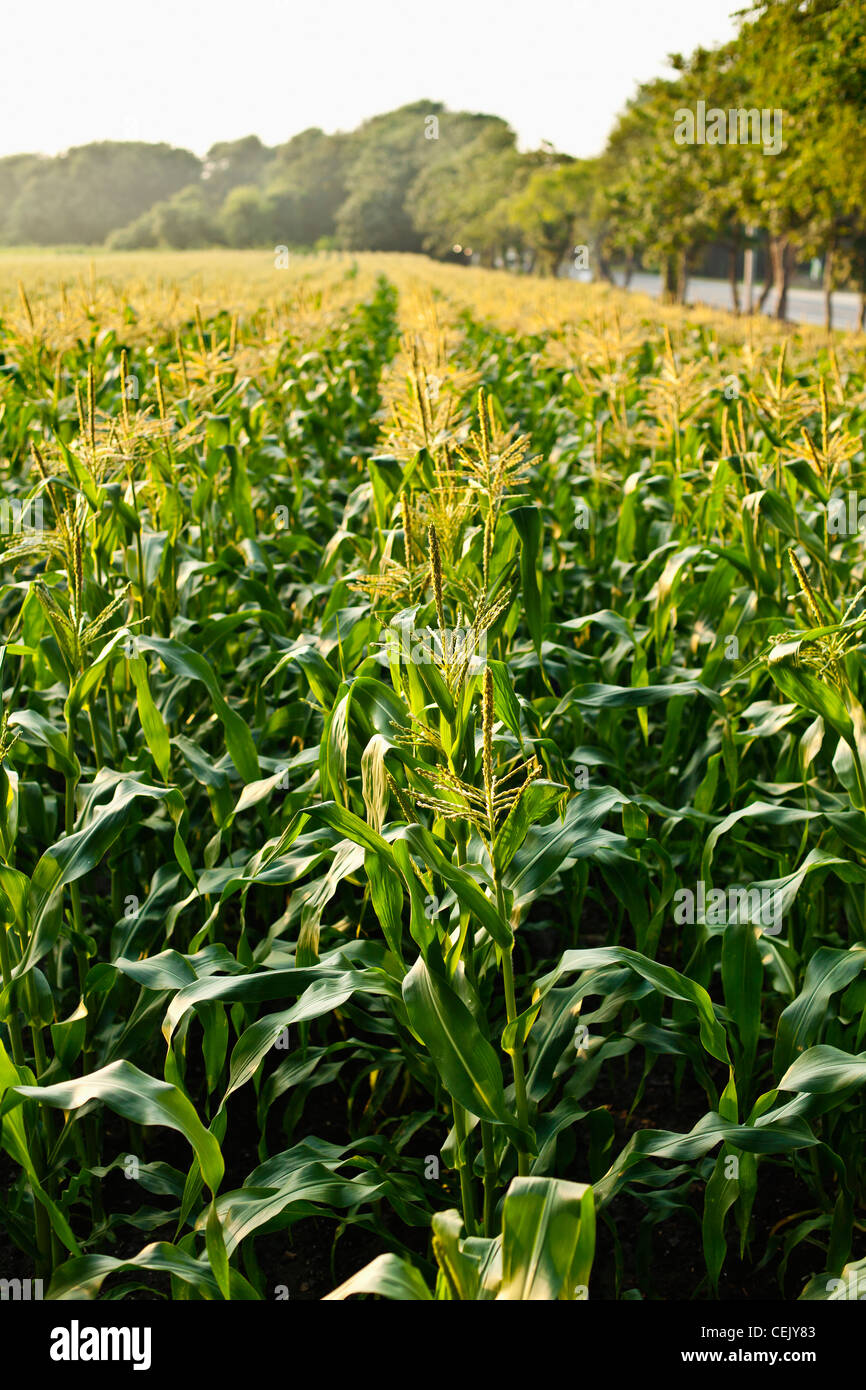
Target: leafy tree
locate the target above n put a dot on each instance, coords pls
(653, 196)
(815, 54)
(463, 195)
(85, 194)
(233, 163)
(246, 217)
(183, 222)
(15, 170)
(389, 153)
(306, 185)
(548, 210)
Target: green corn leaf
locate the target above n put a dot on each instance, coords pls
(822, 1070)
(389, 1276)
(828, 972)
(183, 661)
(548, 1240)
(152, 722)
(139, 1097)
(463, 1057)
(82, 1278)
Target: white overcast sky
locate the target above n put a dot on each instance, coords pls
(191, 72)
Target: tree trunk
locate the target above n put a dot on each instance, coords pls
(732, 275)
(629, 270)
(768, 285)
(828, 289)
(861, 317)
(566, 255)
(781, 255)
(604, 269)
(669, 280)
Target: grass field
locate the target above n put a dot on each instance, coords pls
(432, 841)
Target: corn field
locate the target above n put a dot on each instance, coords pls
(432, 792)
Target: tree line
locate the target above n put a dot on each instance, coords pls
(754, 145)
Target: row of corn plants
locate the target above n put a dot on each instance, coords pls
(435, 721)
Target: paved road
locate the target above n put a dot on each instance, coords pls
(804, 306)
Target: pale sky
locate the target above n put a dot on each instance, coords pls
(192, 72)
